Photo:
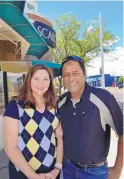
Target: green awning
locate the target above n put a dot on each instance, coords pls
(46, 63)
(14, 17)
(56, 66)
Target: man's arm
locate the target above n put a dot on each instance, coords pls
(117, 116)
(119, 159)
(116, 170)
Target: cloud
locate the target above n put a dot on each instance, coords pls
(110, 43)
(113, 63)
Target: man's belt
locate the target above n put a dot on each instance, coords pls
(85, 166)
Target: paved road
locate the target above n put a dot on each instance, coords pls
(113, 153)
(119, 95)
(1, 138)
(120, 99)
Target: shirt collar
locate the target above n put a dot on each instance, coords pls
(85, 94)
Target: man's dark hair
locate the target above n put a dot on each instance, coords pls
(74, 58)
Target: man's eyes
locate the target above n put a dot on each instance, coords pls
(70, 74)
(76, 73)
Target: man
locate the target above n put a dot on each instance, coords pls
(87, 114)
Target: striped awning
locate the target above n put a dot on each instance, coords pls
(12, 13)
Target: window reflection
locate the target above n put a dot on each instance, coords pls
(15, 81)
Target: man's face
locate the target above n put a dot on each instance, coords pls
(73, 76)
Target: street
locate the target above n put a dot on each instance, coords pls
(118, 94)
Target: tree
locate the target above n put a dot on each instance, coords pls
(121, 79)
(72, 38)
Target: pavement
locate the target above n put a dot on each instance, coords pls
(1, 138)
(4, 174)
(118, 93)
(113, 152)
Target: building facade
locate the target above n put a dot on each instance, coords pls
(17, 47)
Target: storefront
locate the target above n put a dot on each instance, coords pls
(109, 80)
(25, 35)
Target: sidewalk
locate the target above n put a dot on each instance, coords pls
(113, 153)
(1, 137)
(3, 165)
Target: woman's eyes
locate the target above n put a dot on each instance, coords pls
(45, 79)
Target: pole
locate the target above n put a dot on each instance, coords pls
(5, 87)
(101, 50)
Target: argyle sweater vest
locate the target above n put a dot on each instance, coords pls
(36, 138)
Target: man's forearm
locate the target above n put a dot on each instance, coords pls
(120, 157)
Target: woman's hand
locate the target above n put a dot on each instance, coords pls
(48, 176)
(42, 176)
(54, 173)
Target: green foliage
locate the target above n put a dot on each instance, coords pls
(121, 79)
(73, 39)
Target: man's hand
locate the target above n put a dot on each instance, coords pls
(113, 173)
(54, 173)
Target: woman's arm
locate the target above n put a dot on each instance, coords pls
(59, 158)
(59, 136)
(10, 136)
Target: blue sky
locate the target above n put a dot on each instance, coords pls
(112, 13)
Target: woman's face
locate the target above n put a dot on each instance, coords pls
(40, 82)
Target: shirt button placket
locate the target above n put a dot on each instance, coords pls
(74, 112)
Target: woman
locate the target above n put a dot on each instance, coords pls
(29, 128)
